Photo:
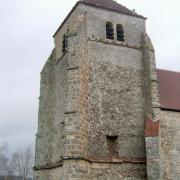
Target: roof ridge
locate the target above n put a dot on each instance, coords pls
(111, 5)
(168, 70)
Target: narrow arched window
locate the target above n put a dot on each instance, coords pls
(120, 32)
(64, 43)
(109, 30)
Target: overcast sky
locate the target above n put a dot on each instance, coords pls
(26, 31)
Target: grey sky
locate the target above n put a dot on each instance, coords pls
(26, 30)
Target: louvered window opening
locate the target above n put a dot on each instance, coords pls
(120, 32)
(109, 31)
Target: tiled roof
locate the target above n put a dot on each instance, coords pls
(111, 5)
(169, 84)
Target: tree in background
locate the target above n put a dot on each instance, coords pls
(4, 160)
(22, 162)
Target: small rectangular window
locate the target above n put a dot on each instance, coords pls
(64, 43)
(112, 144)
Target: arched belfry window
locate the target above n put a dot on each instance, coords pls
(109, 30)
(120, 32)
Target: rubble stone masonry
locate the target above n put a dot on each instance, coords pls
(99, 108)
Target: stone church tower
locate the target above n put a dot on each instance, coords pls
(99, 89)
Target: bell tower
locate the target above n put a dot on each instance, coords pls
(92, 108)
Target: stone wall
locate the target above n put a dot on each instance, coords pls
(86, 170)
(60, 126)
(46, 113)
(152, 109)
(115, 86)
(72, 26)
(50, 146)
(115, 81)
(170, 147)
(152, 149)
(92, 92)
(96, 24)
(49, 174)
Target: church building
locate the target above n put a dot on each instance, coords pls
(105, 111)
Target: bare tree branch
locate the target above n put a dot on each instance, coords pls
(22, 162)
(4, 168)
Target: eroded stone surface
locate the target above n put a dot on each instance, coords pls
(103, 88)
